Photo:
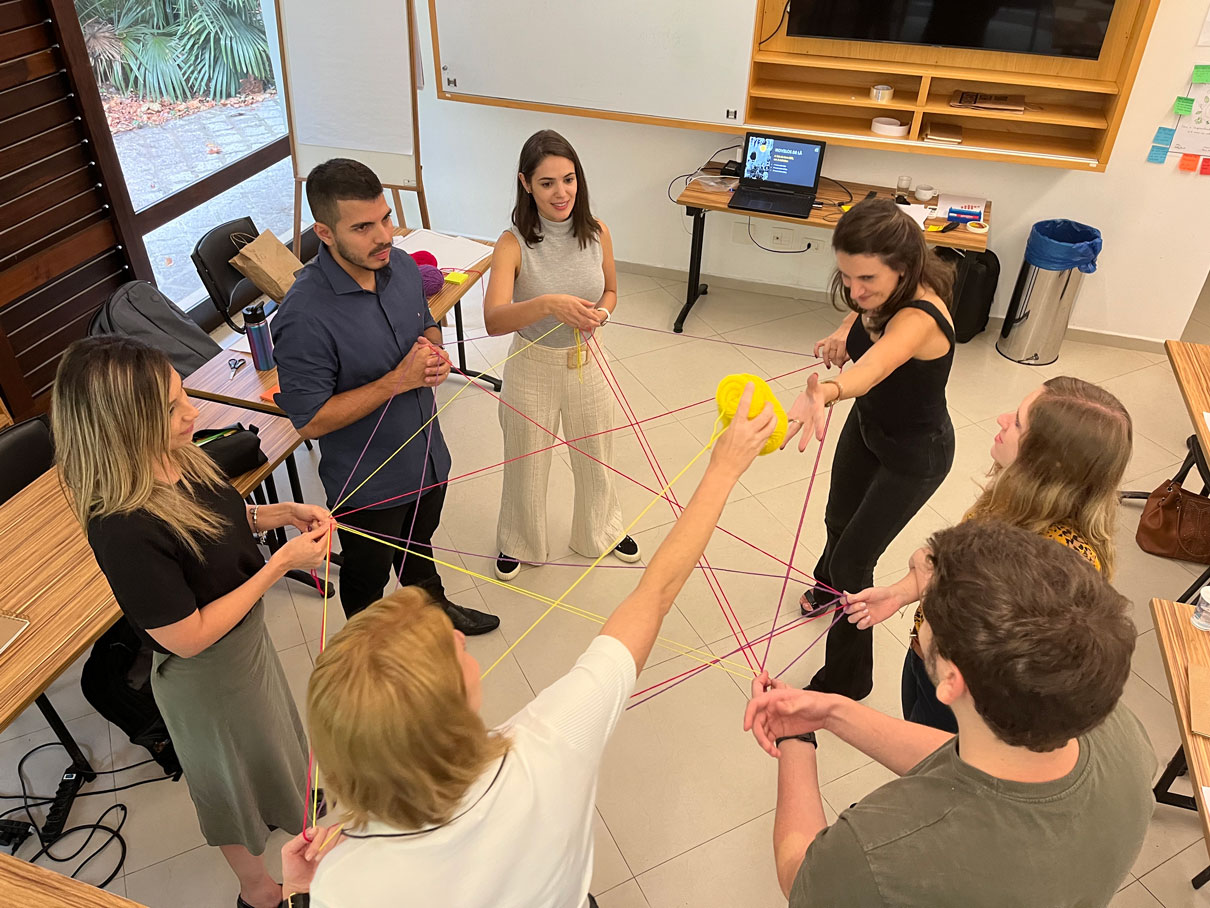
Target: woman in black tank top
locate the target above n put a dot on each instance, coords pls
(897, 444)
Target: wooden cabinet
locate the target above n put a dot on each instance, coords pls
(1072, 107)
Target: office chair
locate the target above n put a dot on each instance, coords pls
(26, 452)
(229, 290)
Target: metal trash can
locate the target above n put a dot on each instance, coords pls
(1058, 255)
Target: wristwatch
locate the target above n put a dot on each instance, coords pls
(808, 737)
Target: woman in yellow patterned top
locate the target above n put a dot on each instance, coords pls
(1057, 464)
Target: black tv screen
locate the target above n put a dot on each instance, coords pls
(1060, 28)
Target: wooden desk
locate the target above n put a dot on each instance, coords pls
(213, 381)
(697, 200)
(30, 886)
(1182, 645)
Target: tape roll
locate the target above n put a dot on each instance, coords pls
(888, 126)
(976, 227)
(881, 93)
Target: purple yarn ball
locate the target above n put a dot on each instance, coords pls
(432, 277)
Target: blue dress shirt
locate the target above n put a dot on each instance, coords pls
(332, 336)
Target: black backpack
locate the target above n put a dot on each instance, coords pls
(138, 310)
(970, 310)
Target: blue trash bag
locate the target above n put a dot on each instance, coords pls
(1061, 244)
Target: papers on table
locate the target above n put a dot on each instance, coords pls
(450, 251)
(918, 213)
(1206, 418)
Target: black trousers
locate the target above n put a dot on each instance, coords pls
(919, 694)
(366, 564)
(878, 485)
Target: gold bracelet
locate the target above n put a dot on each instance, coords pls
(839, 390)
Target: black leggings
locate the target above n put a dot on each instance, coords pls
(878, 485)
(919, 694)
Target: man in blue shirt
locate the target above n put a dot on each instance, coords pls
(358, 358)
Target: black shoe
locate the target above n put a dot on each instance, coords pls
(507, 568)
(469, 621)
(627, 550)
(816, 601)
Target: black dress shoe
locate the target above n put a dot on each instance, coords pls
(469, 621)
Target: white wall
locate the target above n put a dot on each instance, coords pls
(1156, 255)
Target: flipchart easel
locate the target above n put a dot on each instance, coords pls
(343, 99)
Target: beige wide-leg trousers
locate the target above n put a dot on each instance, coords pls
(539, 383)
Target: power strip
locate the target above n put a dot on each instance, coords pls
(14, 833)
(56, 817)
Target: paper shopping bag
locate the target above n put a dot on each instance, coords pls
(267, 263)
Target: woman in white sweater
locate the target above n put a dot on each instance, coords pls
(552, 284)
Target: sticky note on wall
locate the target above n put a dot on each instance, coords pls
(1164, 136)
(1189, 162)
(1183, 106)
(1205, 171)
(1157, 155)
(1201, 74)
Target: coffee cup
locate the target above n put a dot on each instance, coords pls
(925, 193)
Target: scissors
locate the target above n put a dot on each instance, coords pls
(235, 365)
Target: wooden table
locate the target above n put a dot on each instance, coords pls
(697, 200)
(30, 886)
(213, 380)
(1182, 645)
(48, 575)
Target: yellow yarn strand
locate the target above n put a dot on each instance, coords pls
(492, 368)
(658, 497)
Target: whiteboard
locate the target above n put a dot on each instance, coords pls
(348, 86)
(674, 59)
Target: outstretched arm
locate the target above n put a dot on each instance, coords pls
(636, 622)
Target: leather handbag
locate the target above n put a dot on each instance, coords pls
(234, 449)
(1175, 524)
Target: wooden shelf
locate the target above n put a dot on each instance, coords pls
(1056, 114)
(826, 124)
(1021, 143)
(1097, 86)
(827, 94)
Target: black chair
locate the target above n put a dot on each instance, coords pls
(229, 290)
(26, 452)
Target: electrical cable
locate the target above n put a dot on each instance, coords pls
(778, 251)
(47, 843)
(777, 27)
(846, 189)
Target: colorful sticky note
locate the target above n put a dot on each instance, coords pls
(1158, 155)
(1201, 74)
(1164, 136)
(1189, 162)
(1205, 171)
(1183, 106)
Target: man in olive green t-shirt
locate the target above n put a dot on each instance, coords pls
(1044, 795)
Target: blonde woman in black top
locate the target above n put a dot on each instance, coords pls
(176, 544)
(897, 444)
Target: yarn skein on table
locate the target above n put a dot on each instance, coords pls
(727, 396)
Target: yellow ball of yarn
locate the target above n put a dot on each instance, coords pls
(731, 388)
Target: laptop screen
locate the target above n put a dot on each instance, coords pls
(782, 162)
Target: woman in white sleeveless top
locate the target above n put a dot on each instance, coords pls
(552, 284)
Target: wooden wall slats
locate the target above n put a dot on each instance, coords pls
(19, 13)
(26, 69)
(36, 317)
(42, 268)
(71, 318)
(29, 178)
(37, 121)
(24, 41)
(48, 196)
(31, 235)
(39, 147)
(33, 94)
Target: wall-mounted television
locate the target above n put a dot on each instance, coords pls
(1058, 28)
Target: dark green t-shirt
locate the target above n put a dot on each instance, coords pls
(946, 834)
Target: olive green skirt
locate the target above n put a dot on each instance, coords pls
(237, 734)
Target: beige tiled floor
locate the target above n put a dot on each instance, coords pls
(686, 799)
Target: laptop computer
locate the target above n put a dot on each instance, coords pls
(780, 175)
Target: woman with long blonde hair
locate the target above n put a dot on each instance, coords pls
(1057, 464)
(176, 544)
